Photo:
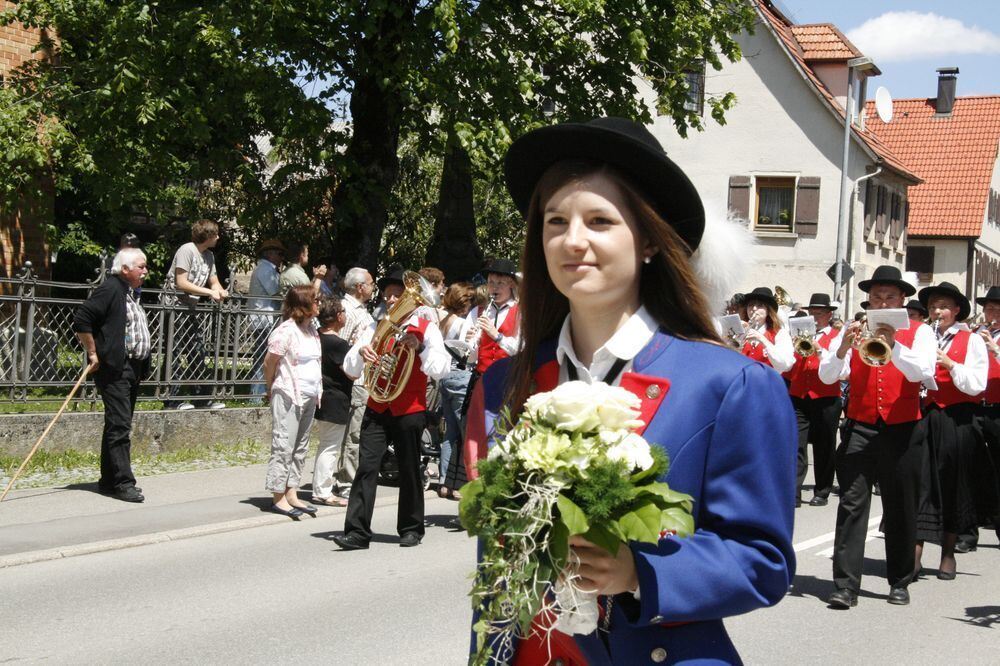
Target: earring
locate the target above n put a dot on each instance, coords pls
(647, 260)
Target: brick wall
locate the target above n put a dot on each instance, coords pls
(22, 229)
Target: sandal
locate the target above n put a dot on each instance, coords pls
(333, 500)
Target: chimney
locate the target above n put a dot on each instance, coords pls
(946, 90)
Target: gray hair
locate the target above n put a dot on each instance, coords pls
(126, 257)
(353, 278)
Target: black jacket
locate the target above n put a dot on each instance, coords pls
(336, 402)
(103, 315)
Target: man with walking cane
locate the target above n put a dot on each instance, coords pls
(112, 327)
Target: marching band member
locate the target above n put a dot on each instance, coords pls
(817, 406)
(916, 310)
(882, 441)
(494, 330)
(609, 294)
(990, 333)
(400, 421)
(947, 507)
(766, 340)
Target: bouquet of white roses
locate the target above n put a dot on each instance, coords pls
(573, 464)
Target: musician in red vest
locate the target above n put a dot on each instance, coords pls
(990, 413)
(817, 406)
(766, 341)
(882, 442)
(400, 421)
(916, 310)
(947, 506)
(494, 331)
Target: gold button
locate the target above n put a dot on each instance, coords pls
(659, 655)
(652, 391)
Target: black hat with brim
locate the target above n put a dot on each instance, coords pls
(821, 301)
(950, 290)
(992, 295)
(501, 267)
(394, 277)
(627, 146)
(887, 275)
(763, 294)
(864, 305)
(918, 306)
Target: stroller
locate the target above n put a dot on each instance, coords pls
(430, 446)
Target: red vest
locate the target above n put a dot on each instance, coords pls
(758, 352)
(489, 349)
(804, 375)
(884, 391)
(992, 395)
(413, 399)
(947, 393)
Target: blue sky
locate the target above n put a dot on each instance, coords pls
(909, 39)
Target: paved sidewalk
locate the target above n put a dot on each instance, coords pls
(42, 524)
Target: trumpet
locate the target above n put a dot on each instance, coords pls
(804, 345)
(872, 351)
(755, 321)
(980, 323)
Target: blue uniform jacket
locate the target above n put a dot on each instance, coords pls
(728, 425)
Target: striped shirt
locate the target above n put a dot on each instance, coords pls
(137, 344)
(358, 319)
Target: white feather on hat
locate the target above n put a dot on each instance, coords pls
(727, 250)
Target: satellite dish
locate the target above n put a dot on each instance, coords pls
(883, 104)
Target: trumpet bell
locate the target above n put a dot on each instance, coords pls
(805, 346)
(875, 352)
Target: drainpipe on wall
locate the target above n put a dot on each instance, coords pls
(857, 188)
(970, 271)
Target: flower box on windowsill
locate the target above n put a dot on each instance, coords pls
(774, 231)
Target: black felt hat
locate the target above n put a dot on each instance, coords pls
(914, 304)
(992, 295)
(395, 276)
(763, 294)
(864, 305)
(501, 267)
(947, 289)
(624, 144)
(821, 301)
(887, 275)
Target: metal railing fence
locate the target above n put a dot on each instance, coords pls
(208, 352)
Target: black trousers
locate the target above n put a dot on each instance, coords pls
(376, 431)
(817, 419)
(116, 444)
(890, 455)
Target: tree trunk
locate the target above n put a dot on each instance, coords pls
(453, 247)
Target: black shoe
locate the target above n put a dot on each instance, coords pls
(819, 501)
(410, 539)
(843, 599)
(129, 494)
(965, 547)
(898, 596)
(351, 542)
(945, 575)
(798, 502)
(308, 509)
(292, 513)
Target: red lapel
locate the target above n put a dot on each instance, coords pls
(546, 377)
(649, 390)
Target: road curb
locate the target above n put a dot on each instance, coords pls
(34, 556)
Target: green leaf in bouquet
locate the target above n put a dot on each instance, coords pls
(663, 491)
(605, 534)
(470, 493)
(559, 543)
(661, 463)
(642, 523)
(572, 516)
(677, 520)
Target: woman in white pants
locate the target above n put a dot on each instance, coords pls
(332, 414)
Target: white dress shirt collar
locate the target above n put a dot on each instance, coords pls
(625, 344)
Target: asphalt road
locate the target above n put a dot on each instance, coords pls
(283, 593)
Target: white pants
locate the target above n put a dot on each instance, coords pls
(289, 441)
(331, 443)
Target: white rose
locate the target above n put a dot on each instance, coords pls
(618, 408)
(572, 407)
(634, 450)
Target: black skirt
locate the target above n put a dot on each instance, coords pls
(947, 504)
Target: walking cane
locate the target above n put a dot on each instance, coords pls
(55, 418)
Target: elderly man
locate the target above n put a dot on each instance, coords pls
(112, 327)
(359, 288)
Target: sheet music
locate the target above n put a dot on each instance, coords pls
(896, 318)
(731, 327)
(802, 326)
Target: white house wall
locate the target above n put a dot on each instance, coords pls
(988, 242)
(779, 126)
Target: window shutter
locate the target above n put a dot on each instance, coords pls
(739, 196)
(881, 215)
(807, 206)
(871, 199)
(896, 219)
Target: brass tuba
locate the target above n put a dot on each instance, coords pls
(873, 351)
(781, 296)
(386, 378)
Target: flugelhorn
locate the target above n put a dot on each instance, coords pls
(873, 351)
(386, 378)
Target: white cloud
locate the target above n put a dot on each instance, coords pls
(900, 36)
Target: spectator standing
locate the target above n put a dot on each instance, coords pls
(458, 301)
(113, 329)
(191, 276)
(294, 378)
(359, 288)
(331, 415)
(264, 301)
(295, 275)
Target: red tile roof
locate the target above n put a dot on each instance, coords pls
(822, 41)
(954, 155)
(786, 32)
